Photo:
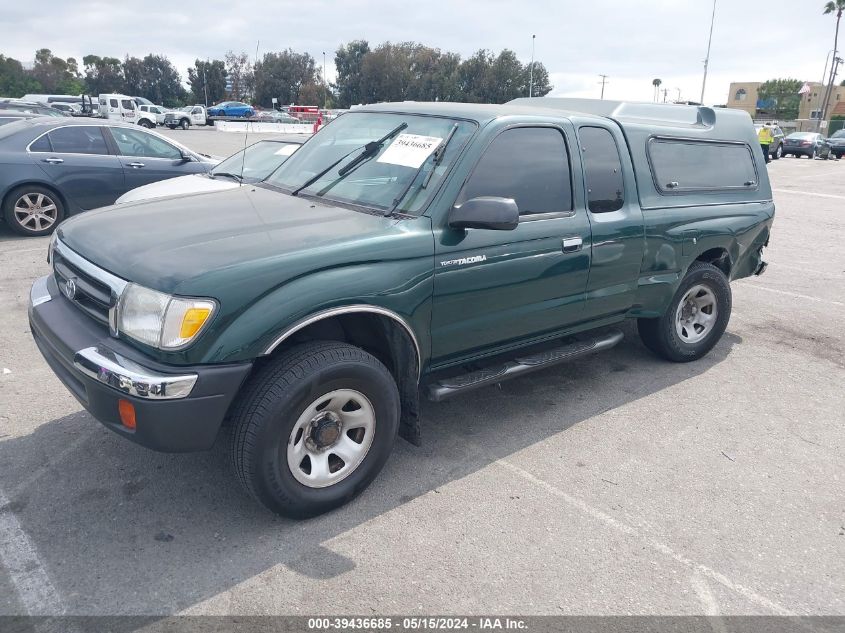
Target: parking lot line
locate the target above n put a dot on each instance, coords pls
(794, 295)
(20, 558)
(810, 193)
(609, 521)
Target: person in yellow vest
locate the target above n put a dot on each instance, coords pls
(765, 137)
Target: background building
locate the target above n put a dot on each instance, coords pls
(744, 95)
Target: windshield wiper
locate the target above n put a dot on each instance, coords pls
(438, 153)
(226, 174)
(370, 149)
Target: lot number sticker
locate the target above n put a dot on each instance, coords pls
(287, 150)
(410, 150)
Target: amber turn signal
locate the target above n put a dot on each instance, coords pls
(127, 413)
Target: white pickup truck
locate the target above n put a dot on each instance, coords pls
(186, 117)
(124, 108)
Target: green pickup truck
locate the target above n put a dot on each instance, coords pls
(406, 250)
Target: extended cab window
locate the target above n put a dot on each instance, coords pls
(603, 167)
(685, 165)
(528, 164)
(81, 139)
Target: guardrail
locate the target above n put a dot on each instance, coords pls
(264, 127)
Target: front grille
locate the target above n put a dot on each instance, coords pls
(169, 117)
(90, 295)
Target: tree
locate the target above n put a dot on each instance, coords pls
(240, 73)
(282, 75)
(57, 75)
(542, 87)
(153, 78)
(348, 60)
(780, 97)
(208, 81)
(102, 74)
(657, 83)
(14, 80)
(835, 7)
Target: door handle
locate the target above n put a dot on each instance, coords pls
(572, 244)
(136, 165)
(54, 161)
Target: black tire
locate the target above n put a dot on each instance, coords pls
(184, 124)
(146, 124)
(660, 335)
(272, 401)
(172, 127)
(22, 225)
(778, 152)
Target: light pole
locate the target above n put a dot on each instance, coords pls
(821, 89)
(603, 82)
(531, 69)
(205, 81)
(707, 59)
(325, 83)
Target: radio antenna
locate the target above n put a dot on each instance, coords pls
(246, 132)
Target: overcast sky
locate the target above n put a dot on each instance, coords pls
(632, 42)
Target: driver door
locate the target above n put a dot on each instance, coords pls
(494, 289)
(147, 158)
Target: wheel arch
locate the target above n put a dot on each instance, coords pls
(378, 331)
(718, 257)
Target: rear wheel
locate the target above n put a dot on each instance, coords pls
(778, 152)
(314, 427)
(146, 124)
(696, 318)
(33, 210)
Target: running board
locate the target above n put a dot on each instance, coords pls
(519, 366)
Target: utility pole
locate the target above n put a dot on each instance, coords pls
(821, 90)
(325, 83)
(834, 69)
(707, 59)
(531, 70)
(603, 83)
(665, 94)
(679, 95)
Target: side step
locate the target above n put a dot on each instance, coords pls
(448, 387)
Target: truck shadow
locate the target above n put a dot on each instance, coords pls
(123, 530)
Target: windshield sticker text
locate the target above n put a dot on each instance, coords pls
(410, 150)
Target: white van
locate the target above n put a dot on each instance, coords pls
(122, 108)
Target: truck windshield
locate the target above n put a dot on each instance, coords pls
(381, 176)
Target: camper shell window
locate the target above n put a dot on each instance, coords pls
(684, 165)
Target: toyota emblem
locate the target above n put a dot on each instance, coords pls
(69, 289)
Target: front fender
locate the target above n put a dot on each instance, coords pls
(402, 287)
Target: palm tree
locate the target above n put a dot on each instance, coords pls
(657, 82)
(832, 7)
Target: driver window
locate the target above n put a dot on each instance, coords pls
(141, 144)
(528, 164)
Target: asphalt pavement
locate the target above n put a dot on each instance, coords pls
(620, 484)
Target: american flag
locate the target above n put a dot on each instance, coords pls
(805, 89)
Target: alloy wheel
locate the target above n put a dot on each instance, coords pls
(696, 314)
(35, 211)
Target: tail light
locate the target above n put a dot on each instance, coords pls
(805, 143)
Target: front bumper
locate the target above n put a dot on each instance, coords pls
(177, 409)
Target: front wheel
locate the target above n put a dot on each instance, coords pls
(778, 152)
(314, 427)
(185, 124)
(696, 318)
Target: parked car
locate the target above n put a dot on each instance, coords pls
(10, 116)
(809, 144)
(31, 107)
(776, 147)
(154, 110)
(274, 116)
(232, 108)
(69, 108)
(247, 166)
(186, 117)
(405, 249)
(837, 144)
(53, 168)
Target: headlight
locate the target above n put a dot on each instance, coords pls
(160, 320)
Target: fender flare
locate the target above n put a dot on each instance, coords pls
(350, 309)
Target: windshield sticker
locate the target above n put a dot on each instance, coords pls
(410, 150)
(286, 150)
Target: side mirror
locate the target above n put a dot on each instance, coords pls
(186, 157)
(486, 212)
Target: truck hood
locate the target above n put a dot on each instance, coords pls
(207, 243)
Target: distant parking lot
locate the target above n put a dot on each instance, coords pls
(620, 484)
